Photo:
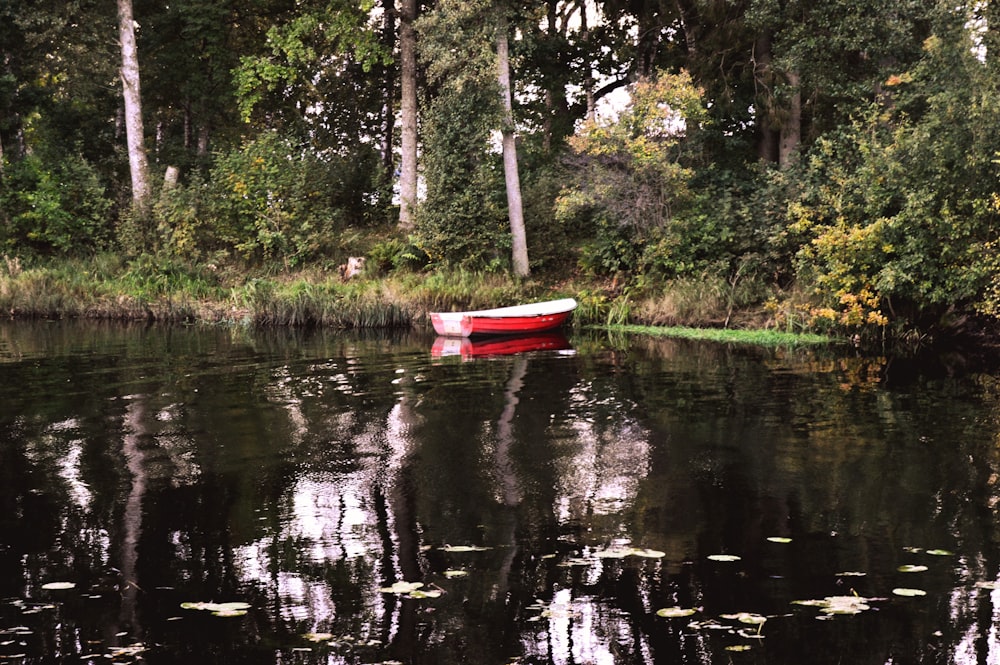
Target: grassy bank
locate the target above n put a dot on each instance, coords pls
(729, 336)
(108, 287)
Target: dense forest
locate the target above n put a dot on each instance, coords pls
(829, 166)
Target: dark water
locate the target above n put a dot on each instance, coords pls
(302, 474)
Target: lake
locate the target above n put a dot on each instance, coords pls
(222, 495)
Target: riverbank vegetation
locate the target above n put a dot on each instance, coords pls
(782, 166)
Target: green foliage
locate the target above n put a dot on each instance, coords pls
(900, 208)
(313, 73)
(150, 277)
(396, 254)
(274, 200)
(463, 219)
(630, 176)
(59, 209)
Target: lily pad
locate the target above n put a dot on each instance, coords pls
(779, 539)
(318, 637)
(400, 588)
(909, 593)
(675, 612)
(429, 593)
(59, 586)
(838, 604)
(739, 647)
(725, 558)
(648, 554)
(614, 553)
(747, 617)
(911, 569)
(456, 573)
(464, 548)
(232, 609)
(940, 552)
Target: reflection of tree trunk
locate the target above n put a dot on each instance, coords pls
(135, 430)
(506, 475)
(402, 500)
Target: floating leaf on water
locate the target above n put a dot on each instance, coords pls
(648, 554)
(746, 617)
(614, 553)
(725, 558)
(913, 550)
(739, 647)
(318, 637)
(815, 602)
(838, 604)
(59, 586)
(402, 587)
(420, 593)
(940, 552)
(909, 593)
(231, 607)
(851, 573)
(456, 573)
(750, 635)
(779, 539)
(911, 569)
(709, 624)
(464, 548)
(675, 612)
(560, 611)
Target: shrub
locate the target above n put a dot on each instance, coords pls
(53, 210)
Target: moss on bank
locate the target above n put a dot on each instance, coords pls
(729, 336)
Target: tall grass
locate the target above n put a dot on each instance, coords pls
(327, 303)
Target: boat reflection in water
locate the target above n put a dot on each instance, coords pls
(502, 345)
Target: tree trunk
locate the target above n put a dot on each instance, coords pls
(408, 113)
(767, 135)
(388, 90)
(791, 128)
(519, 242)
(138, 164)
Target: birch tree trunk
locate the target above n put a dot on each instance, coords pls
(519, 241)
(408, 113)
(138, 164)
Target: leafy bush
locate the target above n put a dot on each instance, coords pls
(463, 220)
(275, 200)
(53, 209)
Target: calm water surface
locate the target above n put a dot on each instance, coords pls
(550, 503)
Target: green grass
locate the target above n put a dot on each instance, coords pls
(769, 338)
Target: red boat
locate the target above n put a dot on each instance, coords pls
(516, 320)
(504, 345)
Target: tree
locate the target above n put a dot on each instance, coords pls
(138, 164)
(519, 242)
(628, 176)
(408, 113)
